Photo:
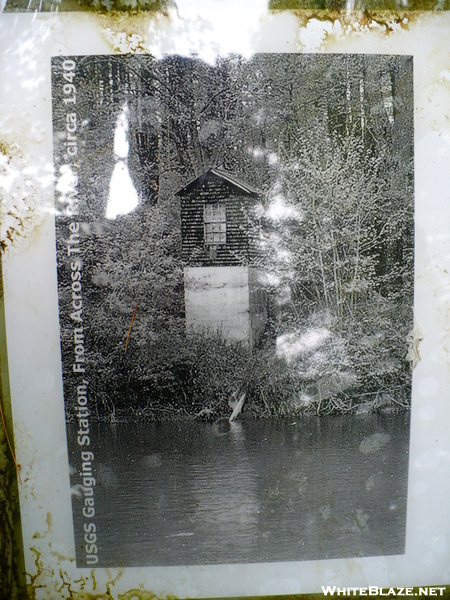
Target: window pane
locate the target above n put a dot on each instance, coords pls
(215, 223)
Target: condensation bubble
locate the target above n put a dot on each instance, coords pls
(440, 354)
(428, 386)
(427, 460)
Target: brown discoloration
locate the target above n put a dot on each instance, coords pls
(113, 580)
(9, 149)
(367, 5)
(62, 558)
(99, 6)
(32, 586)
(57, 580)
(127, 31)
(138, 594)
(359, 19)
(135, 7)
(12, 568)
(49, 520)
(133, 17)
(17, 466)
(21, 209)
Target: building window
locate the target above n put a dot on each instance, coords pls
(215, 223)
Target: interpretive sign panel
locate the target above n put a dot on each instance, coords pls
(235, 254)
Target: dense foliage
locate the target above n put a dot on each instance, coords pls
(328, 141)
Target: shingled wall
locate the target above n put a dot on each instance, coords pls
(239, 249)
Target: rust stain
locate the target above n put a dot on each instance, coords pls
(17, 466)
(49, 521)
(89, 596)
(32, 586)
(9, 149)
(357, 20)
(119, 7)
(94, 582)
(137, 594)
(114, 580)
(62, 558)
(20, 195)
(126, 32)
(119, 19)
(58, 580)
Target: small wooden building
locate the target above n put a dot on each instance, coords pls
(215, 223)
(223, 288)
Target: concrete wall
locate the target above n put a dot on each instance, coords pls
(217, 299)
(229, 300)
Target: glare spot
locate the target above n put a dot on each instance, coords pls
(374, 442)
(283, 255)
(257, 152)
(67, 181)
(279, 210)
(6, 181)
(290, 345)
(121, 146)
(270, 279)
(122, 193)
(427, 413)
(123, 197)
(283, 295)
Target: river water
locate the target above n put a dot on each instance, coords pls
(187, 492)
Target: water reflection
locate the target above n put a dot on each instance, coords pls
(267, 490)
(227, 497)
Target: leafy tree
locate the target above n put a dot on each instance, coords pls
(328, 140)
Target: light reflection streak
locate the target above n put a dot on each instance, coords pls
(123, 197)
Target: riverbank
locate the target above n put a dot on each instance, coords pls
(150, 412)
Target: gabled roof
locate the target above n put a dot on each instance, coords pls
(231, 179)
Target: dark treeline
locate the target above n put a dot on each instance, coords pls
(328, 141)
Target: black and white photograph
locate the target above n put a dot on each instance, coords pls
(235, 255)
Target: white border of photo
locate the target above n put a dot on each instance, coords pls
(27, 42)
